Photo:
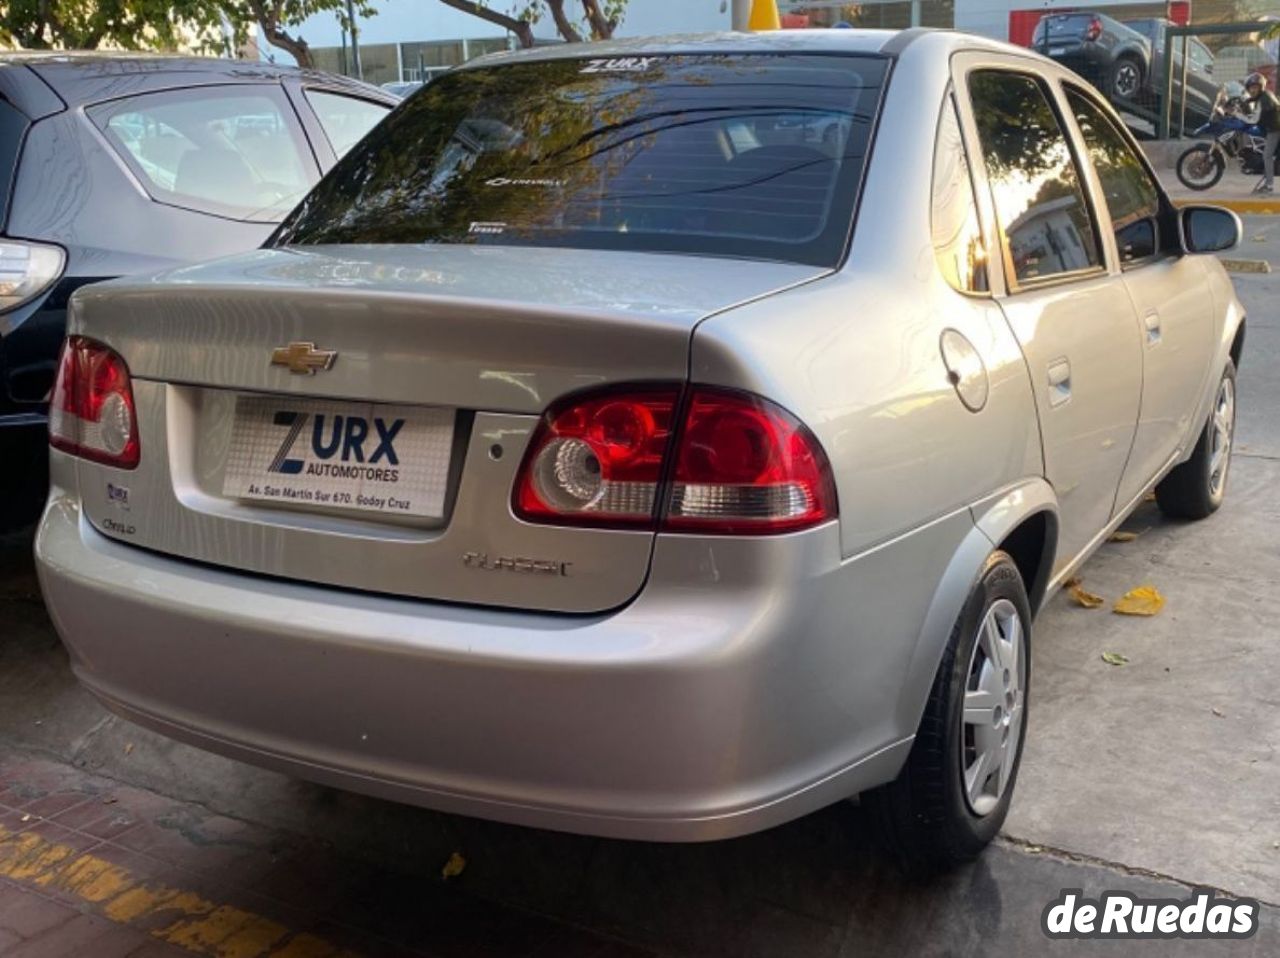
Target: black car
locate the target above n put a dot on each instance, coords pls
(111, 165)
(1125, 60)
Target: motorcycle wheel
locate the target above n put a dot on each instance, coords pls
(1200, 167)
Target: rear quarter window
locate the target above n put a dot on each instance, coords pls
(233, 151)
(754, 156)
(13, 129)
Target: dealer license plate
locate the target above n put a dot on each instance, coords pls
(343, 455)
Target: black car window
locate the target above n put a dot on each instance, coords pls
(1133, 199)
(235, 151)
(957, 231)
(1039, 202)
(13, 127)
(722, 154)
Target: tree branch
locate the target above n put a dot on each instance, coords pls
(601, 26)
(563, 24)
(522, 30)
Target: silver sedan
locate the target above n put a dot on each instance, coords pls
(662, 439)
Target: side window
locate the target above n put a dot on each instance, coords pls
(1132, 198)
(345, 119)
(1034, 181)
(234, 152)
(957, 232)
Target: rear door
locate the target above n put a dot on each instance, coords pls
(1066, 305)
(1170, 295)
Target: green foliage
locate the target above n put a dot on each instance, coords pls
(89, 24)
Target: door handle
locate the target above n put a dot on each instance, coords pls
(1059, 382)
(1151, 320)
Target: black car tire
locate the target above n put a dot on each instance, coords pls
(1192, 158)
(1191, 490)
(924, 815)
(1124, 79)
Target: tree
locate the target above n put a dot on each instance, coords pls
(159, 25)
(599, 17)
(279, 19)
(89, 24)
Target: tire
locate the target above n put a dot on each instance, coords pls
(1195, 489)
(1200, 167)
(931, 821)
(1124, 78)
(24, 482)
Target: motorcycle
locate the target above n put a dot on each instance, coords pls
(1234, 135)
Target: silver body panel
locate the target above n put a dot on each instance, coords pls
(705, 686)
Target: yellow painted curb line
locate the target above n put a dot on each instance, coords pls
(202, 927)
(1236, 206)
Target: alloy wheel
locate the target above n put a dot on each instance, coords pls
(1126, 81)
(994, 699)
(1221, 433)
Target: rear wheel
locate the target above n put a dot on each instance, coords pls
(953, 793)
(1201, 167)
(1195, 489)
(1125, 78)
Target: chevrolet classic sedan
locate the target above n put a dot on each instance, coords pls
(661, 439)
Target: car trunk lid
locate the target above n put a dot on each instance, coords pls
(464, 347)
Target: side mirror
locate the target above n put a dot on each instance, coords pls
(1209, 229)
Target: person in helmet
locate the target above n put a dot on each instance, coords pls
(1255, 87)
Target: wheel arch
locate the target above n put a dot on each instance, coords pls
(1021, 519)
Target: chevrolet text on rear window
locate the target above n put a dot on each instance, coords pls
(725, 155)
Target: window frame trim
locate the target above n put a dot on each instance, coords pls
(965, 65)
(950, 100)
(1163, 204)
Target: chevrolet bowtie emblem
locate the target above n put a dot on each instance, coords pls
(303, 358)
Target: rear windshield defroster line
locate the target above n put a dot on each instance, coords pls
(746, 155)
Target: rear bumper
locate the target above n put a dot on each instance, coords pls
(737, 691)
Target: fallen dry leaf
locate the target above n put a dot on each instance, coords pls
(454, 867)
(128, 749)
(1218, 712)
(1144, 600)
(1115, 658)
(1083, 597)
(1123, 536)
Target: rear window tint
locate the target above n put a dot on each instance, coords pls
(737, 155)
(13, 127)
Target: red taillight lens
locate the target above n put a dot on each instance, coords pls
(743, 466)
(1093, 30)
(747, 466)
(92, 414)
(598, 460)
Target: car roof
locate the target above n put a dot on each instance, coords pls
(90, 76)
(882, 42)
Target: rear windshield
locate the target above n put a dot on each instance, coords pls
(735, 155)
(1062, 24)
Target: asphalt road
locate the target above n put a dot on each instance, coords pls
(1152, 777)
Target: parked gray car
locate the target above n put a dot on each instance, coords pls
(598, 448)
(121, 163)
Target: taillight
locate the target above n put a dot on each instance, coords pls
(747, 466)
(1093, 30)
(598, 460)
(91, 413)
(27, 270)
(736, 464)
